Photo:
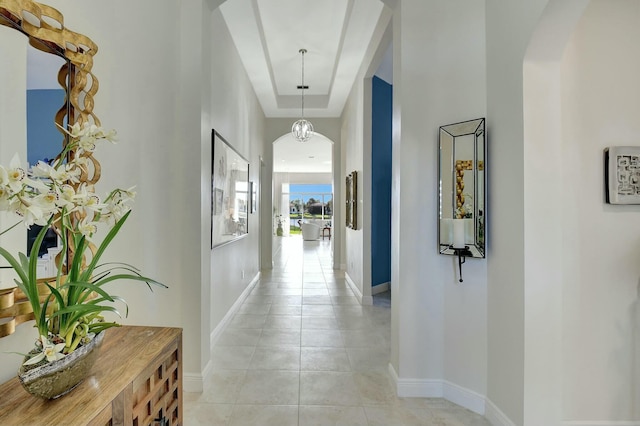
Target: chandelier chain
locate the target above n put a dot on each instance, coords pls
(302, 129)
(303, 51)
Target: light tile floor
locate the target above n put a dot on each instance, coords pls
(301, 350)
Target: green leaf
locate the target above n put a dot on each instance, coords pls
(147, 280)
(33, 256)
(91, 288)
(97, 327)
(103, 246)
(85, 309)
(23, 261)
(121, 264)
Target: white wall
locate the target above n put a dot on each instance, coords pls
(236, 114)
(509, 26)
(356, 156)
(352, 160)
(573, 329)
(163, 92)
(438, 324)
(601, 242)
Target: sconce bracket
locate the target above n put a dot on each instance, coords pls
(462, 254)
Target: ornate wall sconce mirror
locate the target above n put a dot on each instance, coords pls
(461, 195)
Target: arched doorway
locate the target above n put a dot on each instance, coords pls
(302, 186)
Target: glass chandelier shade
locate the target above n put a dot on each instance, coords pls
(302, 129)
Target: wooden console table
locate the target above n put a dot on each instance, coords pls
(136, 381)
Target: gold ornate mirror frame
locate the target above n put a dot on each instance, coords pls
(44, 26)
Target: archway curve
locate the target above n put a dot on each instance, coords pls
(319, 147)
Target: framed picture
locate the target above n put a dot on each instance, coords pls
(217, 201)
(622, 174)
(351, 196)
(254, 196)
(229, 192)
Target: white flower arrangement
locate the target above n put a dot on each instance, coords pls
(58, 196)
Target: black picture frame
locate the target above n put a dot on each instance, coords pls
(622, 174)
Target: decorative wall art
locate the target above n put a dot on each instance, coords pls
(229, 193)
(254, 196)
(217, 200)
(351, 196)
(622, 174)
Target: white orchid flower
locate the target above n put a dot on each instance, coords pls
(5, 198)
(49, 351)
(59, 175)
(16, 174)
(114, 211)
(42, 169)
(46, 202)
(31, 214)
(87, 228)
(86, 144)
(88, 200)
(111, 136)
(66, 195)
(130, 194)
(67, 173)
(4, 176)
(89, 133)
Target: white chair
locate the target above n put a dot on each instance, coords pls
(310, 231)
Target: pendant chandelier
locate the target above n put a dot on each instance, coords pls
(302, 129)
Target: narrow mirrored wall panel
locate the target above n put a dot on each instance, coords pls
(462, 188)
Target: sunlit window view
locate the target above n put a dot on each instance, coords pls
(309, 203)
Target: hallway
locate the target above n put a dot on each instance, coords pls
(301, 350)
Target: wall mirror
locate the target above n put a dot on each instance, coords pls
(45, 31)
(66, 58)
(462, 184)
(38, 101)
(32, 73)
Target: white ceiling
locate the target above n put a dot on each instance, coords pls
(268, 35)
(291, 156)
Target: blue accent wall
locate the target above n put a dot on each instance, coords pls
(382, 110)
(44, 140)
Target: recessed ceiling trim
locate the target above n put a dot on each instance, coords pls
(265, 46)
(269, 33)
(343, 32)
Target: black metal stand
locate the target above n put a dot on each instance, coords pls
(462, 253)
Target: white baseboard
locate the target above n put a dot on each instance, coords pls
(495, 416)
(464, 397)
(380, 288)
(193, 382)
(434, 388)
(222, 325)
(601, 423)
(364, 300)
(416, 388)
